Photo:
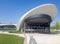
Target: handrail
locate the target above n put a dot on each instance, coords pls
(32, 40)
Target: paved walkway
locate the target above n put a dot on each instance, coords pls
(39, 38)
(46, 38)
(21, 35)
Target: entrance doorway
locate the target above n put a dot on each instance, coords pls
(37, 27)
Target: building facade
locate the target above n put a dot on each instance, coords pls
(38, 19)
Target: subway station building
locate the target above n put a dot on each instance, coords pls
(38, 19)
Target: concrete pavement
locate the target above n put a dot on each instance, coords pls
(39, 38)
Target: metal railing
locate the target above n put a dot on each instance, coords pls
(32, 40)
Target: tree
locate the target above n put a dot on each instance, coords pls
(57, 25)
(52, 27)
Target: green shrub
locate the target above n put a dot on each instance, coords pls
(15, 31)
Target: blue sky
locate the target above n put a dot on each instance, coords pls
(12, 10)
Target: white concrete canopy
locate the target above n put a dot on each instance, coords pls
(48, 9)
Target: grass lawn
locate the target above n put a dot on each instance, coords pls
(11, 39)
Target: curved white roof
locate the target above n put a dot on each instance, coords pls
(7, 24)
(48, 9)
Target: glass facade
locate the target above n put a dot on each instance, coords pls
(37, 28)
(37, 24)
